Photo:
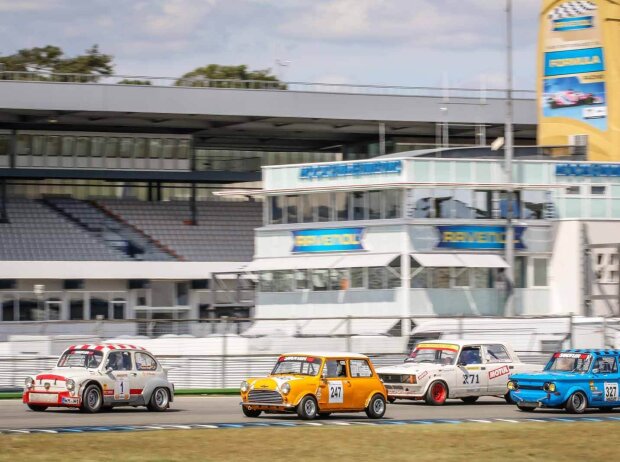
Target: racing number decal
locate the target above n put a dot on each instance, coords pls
(611, 391)
(121, 388)
(335, 392)
(471, 379)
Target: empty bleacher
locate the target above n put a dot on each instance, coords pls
(35, 232)
(225, 231)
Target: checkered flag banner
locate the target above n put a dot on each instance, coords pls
(572, 9)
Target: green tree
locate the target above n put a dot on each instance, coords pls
(216, 75)
(50, 59)
(135, 82)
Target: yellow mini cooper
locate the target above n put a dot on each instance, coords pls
(315, 385)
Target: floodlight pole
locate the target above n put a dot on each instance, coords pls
(509, 244)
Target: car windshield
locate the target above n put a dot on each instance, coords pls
(436, 353)
(302, 365)
(81, 358)
(569, 362)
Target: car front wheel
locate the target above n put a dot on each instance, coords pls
(436, 394)
(577, 403)
(159, 400)
(92, 400)
(376, 407)
(307, 408)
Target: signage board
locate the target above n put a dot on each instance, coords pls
(327, 240)
(477, 237)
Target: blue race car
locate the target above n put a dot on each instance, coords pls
(572, 379)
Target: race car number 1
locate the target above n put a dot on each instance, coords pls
(611, 391)
(335, 392)
(121, 388)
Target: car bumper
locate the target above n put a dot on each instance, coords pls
(537, 398)
(285, 407)
(400, 391)
(51, 399)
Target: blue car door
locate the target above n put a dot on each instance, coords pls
(607, 381)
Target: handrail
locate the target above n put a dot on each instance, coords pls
(318, 87)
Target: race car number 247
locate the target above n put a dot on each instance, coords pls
(335, 392)
(611, 391)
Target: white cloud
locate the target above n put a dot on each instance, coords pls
(174, 17)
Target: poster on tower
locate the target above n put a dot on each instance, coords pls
(573, 84)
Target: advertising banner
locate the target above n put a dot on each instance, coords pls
(327, 240)
(573, 83)
(477, 237)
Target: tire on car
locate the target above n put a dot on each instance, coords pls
(307, 408)
(160, 400)
(437, 393)
(92, 399)
(37, 407)
(576, 403)
(376, 407)
(248, 412)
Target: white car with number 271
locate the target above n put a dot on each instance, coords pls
(439, 370)
(96, 377)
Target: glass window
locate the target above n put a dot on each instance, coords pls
(52, 146)
(393, 274)
(97, 146)
(282, 281)
(341, 206)
(8, 311)
(357, 278)
(519, 272)
(392, 202)
(119, 361)
(470, 355)
(339, 279)
(118, 308)
(419, 275)
(533, 204)
(360, 368)
(440, 278)
(76, 309)
(509, 206)
(182, 289)
(276, 209)
(573, 190)
(605, 365)
(540, 272)
(265, 281)
(462, 206)
(497, 354)
(111, 147)
(443, 203)
(598, 190)
(481, 278)
(306, 208)
(98, 308)
(183, 148)
(38, 145)
(322, 207)
(140, 148)
(126, 147)
(320, 279)
(145, 362)
(483, 205)
(169, 148)
(23, 143)
(358, 202)
(461, 277)
(301, 279)
(292, 214)
(335, 368)
(155, 148)
(376, 277)
(421, 203)
(374, 205)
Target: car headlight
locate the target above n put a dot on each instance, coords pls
(245, 386)
(549, 387)
(70, 383)
(29, 382)
(512, 385)
(285, 388)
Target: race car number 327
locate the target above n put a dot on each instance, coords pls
(611, 391)
(335, 392)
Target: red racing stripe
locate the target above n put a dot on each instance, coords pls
(50, 377)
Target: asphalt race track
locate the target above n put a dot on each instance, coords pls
(226, 410)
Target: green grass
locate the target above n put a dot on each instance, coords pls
(187, 392)
(437, 443)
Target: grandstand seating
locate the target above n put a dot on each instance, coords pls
(35, 232)
(225, 231)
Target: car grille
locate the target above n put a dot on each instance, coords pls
(530, 387)
(393, 378)
(264, 397)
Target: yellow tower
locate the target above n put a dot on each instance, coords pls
(579, 72)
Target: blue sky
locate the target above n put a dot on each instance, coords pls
(392, 42)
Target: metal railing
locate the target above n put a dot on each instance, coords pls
(236, 84)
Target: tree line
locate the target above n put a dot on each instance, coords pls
(51, 62)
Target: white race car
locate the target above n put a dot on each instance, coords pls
(438, 370)
(96, 377)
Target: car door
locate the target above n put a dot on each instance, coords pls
(362, 382)
(119, 368)
(499, 366)
(336, 386)
(607, 379)
(146, 370)
(473, 379)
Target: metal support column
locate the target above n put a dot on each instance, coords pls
(382, 139)
(192, 206)
(13, 149)
(4, 216)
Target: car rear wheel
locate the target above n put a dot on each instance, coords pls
(307, 408)
(577, 403)
(250, 412)
(37, 408)
(526, 408)
(469, 399)
(92, 400)
(376, 407)
(160, 399)
(436, 394)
